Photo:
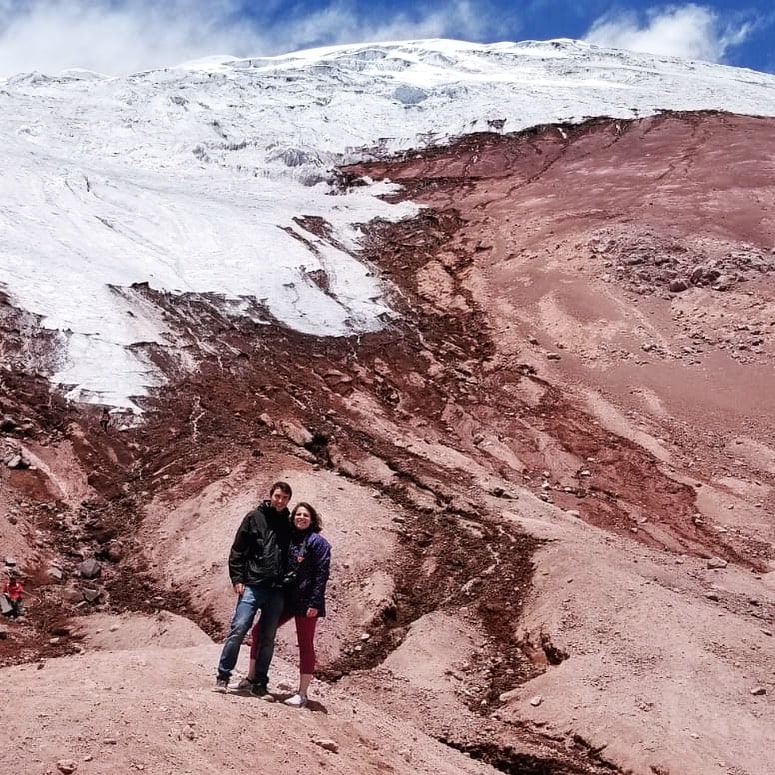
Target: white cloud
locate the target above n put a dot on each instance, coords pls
(119, 38)
(690, 32)
(338, 23)
(114, 39)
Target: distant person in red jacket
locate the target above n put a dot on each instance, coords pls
(305, 602)
(13, 589)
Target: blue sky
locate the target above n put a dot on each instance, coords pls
(120, 36)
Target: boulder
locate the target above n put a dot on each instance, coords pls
(90, 568)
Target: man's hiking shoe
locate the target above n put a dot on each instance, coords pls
(297, 701)
(261, 690)
(222, 685)
(245, 685)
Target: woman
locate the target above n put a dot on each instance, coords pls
(308, 562)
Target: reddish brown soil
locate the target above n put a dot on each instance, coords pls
(543, 339)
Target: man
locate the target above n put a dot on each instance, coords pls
(257, 564)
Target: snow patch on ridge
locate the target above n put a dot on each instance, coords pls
(192, 179)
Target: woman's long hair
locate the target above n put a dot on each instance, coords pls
(315, 523)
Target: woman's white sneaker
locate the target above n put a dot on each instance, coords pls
(297, 701)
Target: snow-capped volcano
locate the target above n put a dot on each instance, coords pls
(204, 179)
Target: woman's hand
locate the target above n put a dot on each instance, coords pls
(312, 613)
(239, 589)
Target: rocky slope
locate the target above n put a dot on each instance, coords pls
(548, 485)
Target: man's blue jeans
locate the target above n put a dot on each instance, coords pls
(270, 602)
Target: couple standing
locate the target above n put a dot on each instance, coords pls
(279, 565)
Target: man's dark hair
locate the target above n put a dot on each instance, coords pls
(283, 487)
